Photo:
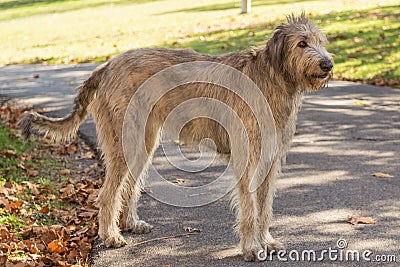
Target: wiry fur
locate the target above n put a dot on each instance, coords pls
(282, 69)
(63, 129)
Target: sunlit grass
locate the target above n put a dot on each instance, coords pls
(369, 43)
(94, 30)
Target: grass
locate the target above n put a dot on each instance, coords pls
(364, 34)
(15, 158)
(14, 144)
(12, 220)
(14, 164)
(368, 49)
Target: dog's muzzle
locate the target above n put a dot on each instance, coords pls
(326, 67)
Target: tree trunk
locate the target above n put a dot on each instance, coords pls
(246, 6)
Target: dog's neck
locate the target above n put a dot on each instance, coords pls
(284, 97)
(285, 100)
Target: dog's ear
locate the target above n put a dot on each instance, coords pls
(276, 48)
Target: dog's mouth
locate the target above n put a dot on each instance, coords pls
(321, 76)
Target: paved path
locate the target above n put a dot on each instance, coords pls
(346, 133)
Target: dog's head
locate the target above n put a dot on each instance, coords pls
(297, 50)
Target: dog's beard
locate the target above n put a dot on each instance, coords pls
(317, 81)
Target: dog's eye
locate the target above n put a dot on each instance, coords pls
(302, 44)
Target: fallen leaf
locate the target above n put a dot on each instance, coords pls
(93, 195)
(16, 264)
(21, 165)
(3, 259)
(9, 152)
(179, 181)
(68, 149)
(33, 173)
(33, 249)
(382, 175)
(4, 234)
(80, 186)
(82, 231)
(71, 149)
(88, 213)
(32, 187)
(3, 191)
(362, 103)
(85, 146)
(14, 207)
(64, 172)
(363, 220)
(191, 229)
(19, 188)
(88, 155)
(51, 197)
(4, 201)
(45, 209)
(47, 139)
(72, 255)
(8, 184)
(27, 232)
(67, 191)
(57, 245)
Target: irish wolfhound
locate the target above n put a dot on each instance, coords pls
(291, 63)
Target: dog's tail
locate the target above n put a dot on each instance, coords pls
(63, 129)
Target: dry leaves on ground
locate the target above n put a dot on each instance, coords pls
(65, 243)
(49, 223)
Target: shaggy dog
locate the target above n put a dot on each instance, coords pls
(292, 62)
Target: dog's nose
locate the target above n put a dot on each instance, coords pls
(326, 65)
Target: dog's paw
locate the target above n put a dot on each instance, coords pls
(114, 241)
(252, 254)
(138, 227)
(273, 246)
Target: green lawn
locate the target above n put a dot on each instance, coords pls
(364, 35)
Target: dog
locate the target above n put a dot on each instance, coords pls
(293, 61)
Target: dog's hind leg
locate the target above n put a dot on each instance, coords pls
(109, 199)
(131, 194)
(133, 187)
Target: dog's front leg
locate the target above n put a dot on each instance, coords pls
(265, 196)
(247, 225)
